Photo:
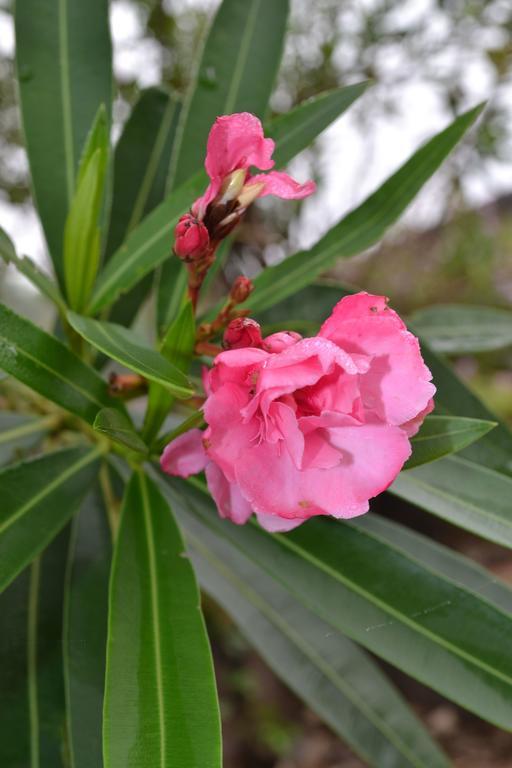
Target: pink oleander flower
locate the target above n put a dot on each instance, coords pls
(236, 143)
(316, 426)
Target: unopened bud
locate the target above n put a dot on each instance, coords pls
(281, 340)
(241, 289)
(249, 194)
(191, 238)
(242, 332)
(232, 186)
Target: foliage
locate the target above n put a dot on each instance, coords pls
(104, 654)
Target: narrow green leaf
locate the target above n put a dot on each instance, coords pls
(47, 366)
(61, 85)
(31, 682)
(38, 498)
(177, 346)
(443, 435)
(123, 345)
(441, 633)
(118, 427)
(236, 74)
(458, 329)
(85, 631)
(81, 235)
(160, 701)
(365, 225)
(346, 689)
(97, 139)
(20, 432)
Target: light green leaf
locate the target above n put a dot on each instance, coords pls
(343, 686)
(441, 633)
(38, 498)
(177, 346)
(31, 683)
(236, 74)
(20, 432)
(118, 427)
(63, 56)
(123, 345)
(47, 366)
(365, 225)
(443, 435)
(458, 329)
(85, 631)
(160, 701)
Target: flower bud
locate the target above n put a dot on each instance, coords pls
(242, 332)
(241, 289)
(191, 238)
(281, 340)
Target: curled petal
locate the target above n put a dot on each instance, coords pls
(227, 496)
(237, 141)
(185, 455)
(282, 185)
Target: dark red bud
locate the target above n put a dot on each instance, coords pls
(242, 332)
(191, 238)
(241, 289)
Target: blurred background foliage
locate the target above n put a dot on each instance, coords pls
(429, 60)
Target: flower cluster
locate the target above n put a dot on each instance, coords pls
(298, 427)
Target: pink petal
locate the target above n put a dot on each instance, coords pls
(282, 185)
(237, 141)
(185, 455)
(276, 524)
(398, 384)
(227, 496)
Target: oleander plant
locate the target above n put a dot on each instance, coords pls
(236, 448)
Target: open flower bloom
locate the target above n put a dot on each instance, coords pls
(237, 143)
(317, 426)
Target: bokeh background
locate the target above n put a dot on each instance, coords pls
(429, 60)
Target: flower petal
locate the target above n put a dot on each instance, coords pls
(282, 185)
(227, 496)
(237, 141)
(185, 455)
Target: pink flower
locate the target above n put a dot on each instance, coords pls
(191, 238)
(235, 143)
(305, 427)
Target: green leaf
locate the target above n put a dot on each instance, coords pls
(47, 366)
(365, 225)
(458, 329)
(81, 234)
(435, 630)
(463, 492)
(145, 248)
(97, 139)
(236, 74)
(160, 701)
(63, 53)
(85, 631)
(297, 129)
(20, 432)
(442, 435)
(38, 498)
(118, 427)
(177, 346)
(123, 345)
(336, 679)
(31, 682)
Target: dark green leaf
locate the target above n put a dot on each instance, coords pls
(236, 74)
(19, 432)
(85, 631)
(123, 345)
(43, 363)
(33, 718)
(439, 632)
(63, 55)
(38, 498)
(442, 435)
(160, 702)
(118, 427)
(322, 666)
(457, 329)
(365, 225)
